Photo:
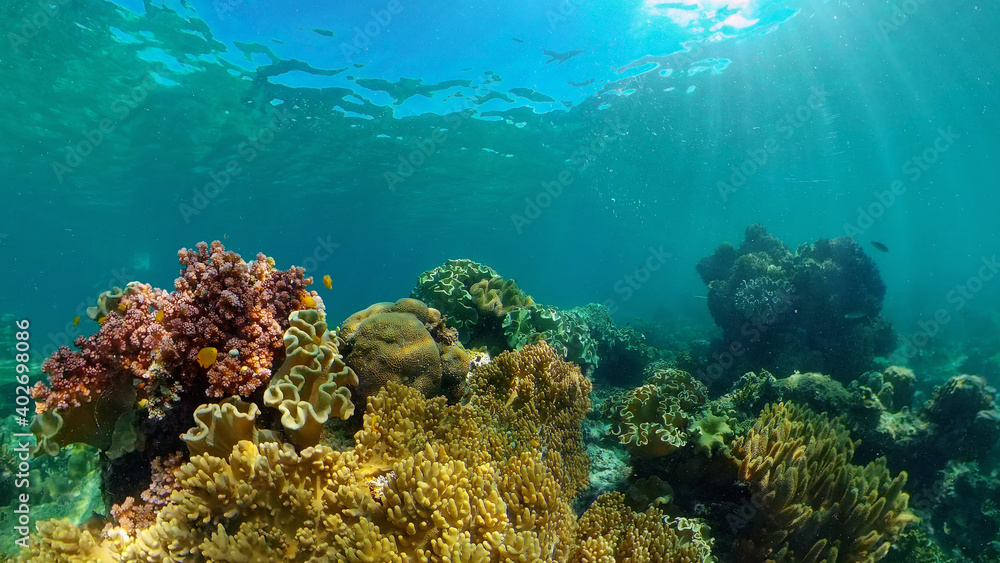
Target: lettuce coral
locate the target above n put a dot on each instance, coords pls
(653, 420)
(814, 505)
(473, 297)
(311, 386)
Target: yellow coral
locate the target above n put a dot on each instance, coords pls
(311, 384)
(814, 505)
(426, 481)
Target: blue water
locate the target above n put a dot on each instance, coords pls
(669, 98)
(592, 150)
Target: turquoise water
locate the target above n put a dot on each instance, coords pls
(184, 88)
(564, 144)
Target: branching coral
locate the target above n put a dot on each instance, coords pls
(488, 480)
(814, 505)
(611, 533)
(149, 341)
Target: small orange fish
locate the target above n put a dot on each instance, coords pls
(328, 281)
(206, 356)
(309, 301)
(76, 320)
(159, 316)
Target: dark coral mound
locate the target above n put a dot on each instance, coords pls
(815, 309)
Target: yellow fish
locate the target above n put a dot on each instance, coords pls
(76, 320)
(159, 316)
(206, 356)
(309, 301)
(101, 319)
(327, 281)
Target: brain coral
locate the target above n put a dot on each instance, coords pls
(653, 420)
(405, 342)
(814, 505)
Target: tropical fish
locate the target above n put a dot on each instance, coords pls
(101, 319)
(328, 281)
(880, 246)
(76, 320)
(856, 315)
(309, 300)
(206, 356)
(159, 316)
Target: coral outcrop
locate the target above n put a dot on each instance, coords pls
(144, 358)
(654, 419)
(815, 309)
(473, 297)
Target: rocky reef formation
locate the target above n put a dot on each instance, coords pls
(815, 309)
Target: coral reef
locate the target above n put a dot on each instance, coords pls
(610, 532)
(653, 420)
(565, 331)
(813, 504)
(145, 354)
(473, 298)
(493, 313)
(816, 309)
(425, 481)
(406, 342)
